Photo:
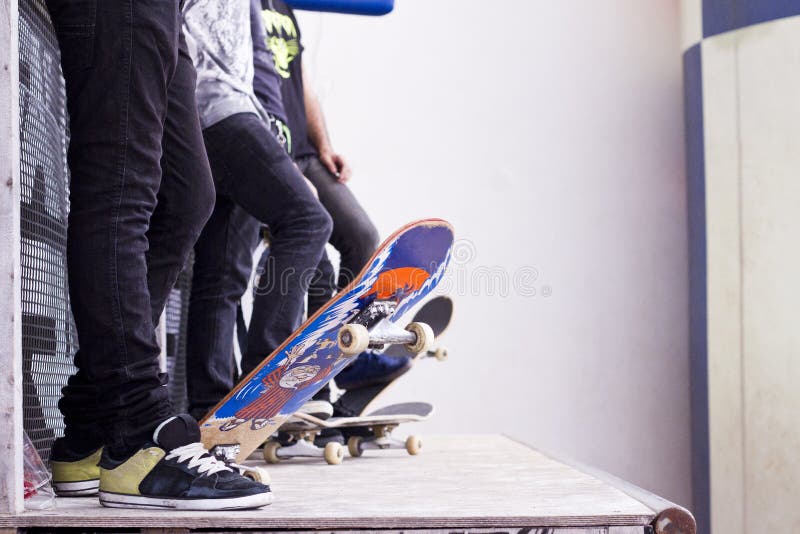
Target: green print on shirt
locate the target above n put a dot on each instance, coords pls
(281, 40)
(284, 135)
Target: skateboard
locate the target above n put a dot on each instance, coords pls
(404, 269)
(436, 313)
(373, 431)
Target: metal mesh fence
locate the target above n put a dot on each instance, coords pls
(48, 332)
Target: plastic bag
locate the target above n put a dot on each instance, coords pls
(38, 492)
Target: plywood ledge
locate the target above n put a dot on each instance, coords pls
(669, 518)
(458, 482)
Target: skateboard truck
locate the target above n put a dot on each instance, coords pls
(355, 338)
(381, 438)
(302, 446)
(226, 453)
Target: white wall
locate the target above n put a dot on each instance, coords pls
(551, 135)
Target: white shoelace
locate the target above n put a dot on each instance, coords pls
(198, 457)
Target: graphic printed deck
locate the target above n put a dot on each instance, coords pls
(407, 266)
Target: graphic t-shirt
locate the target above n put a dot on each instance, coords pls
(223, 38)
(266, 81)
(283, 40)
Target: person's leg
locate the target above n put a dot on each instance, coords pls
(118, 59)
(354, 235)
(222, 265)
(260, 177)
(186, 195)
(323, 285)
(356, 239)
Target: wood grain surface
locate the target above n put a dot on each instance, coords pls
(459, 481)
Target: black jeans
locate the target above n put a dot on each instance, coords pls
(354, 235)
(257, 183)
(141, 191)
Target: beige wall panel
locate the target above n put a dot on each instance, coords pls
(769, 89)
(724, 284)
(691, 23)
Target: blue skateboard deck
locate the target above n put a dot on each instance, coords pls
(404, 269)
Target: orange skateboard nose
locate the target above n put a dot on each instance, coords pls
(403, 279)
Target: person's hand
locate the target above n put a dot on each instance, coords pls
(336, 164)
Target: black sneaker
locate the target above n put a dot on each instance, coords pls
(177, 472)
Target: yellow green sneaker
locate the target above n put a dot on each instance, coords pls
(175, 471)
(75, 474)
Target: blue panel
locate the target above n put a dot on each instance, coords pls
(725, 15)
(698, 330)
(353, 7)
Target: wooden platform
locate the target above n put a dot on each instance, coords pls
(458, 482)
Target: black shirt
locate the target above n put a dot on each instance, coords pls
(283, 40)
(266, 81)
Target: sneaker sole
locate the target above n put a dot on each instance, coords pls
(76, 489)
(319, 409)
(119, 500)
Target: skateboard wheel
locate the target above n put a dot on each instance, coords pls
(334, 453)
(440, 354)
(353, 339)
(424, 335)
(354, 446)
(271, 452)
(413, 445)
(257, 474)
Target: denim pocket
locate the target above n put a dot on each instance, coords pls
(75, 28)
